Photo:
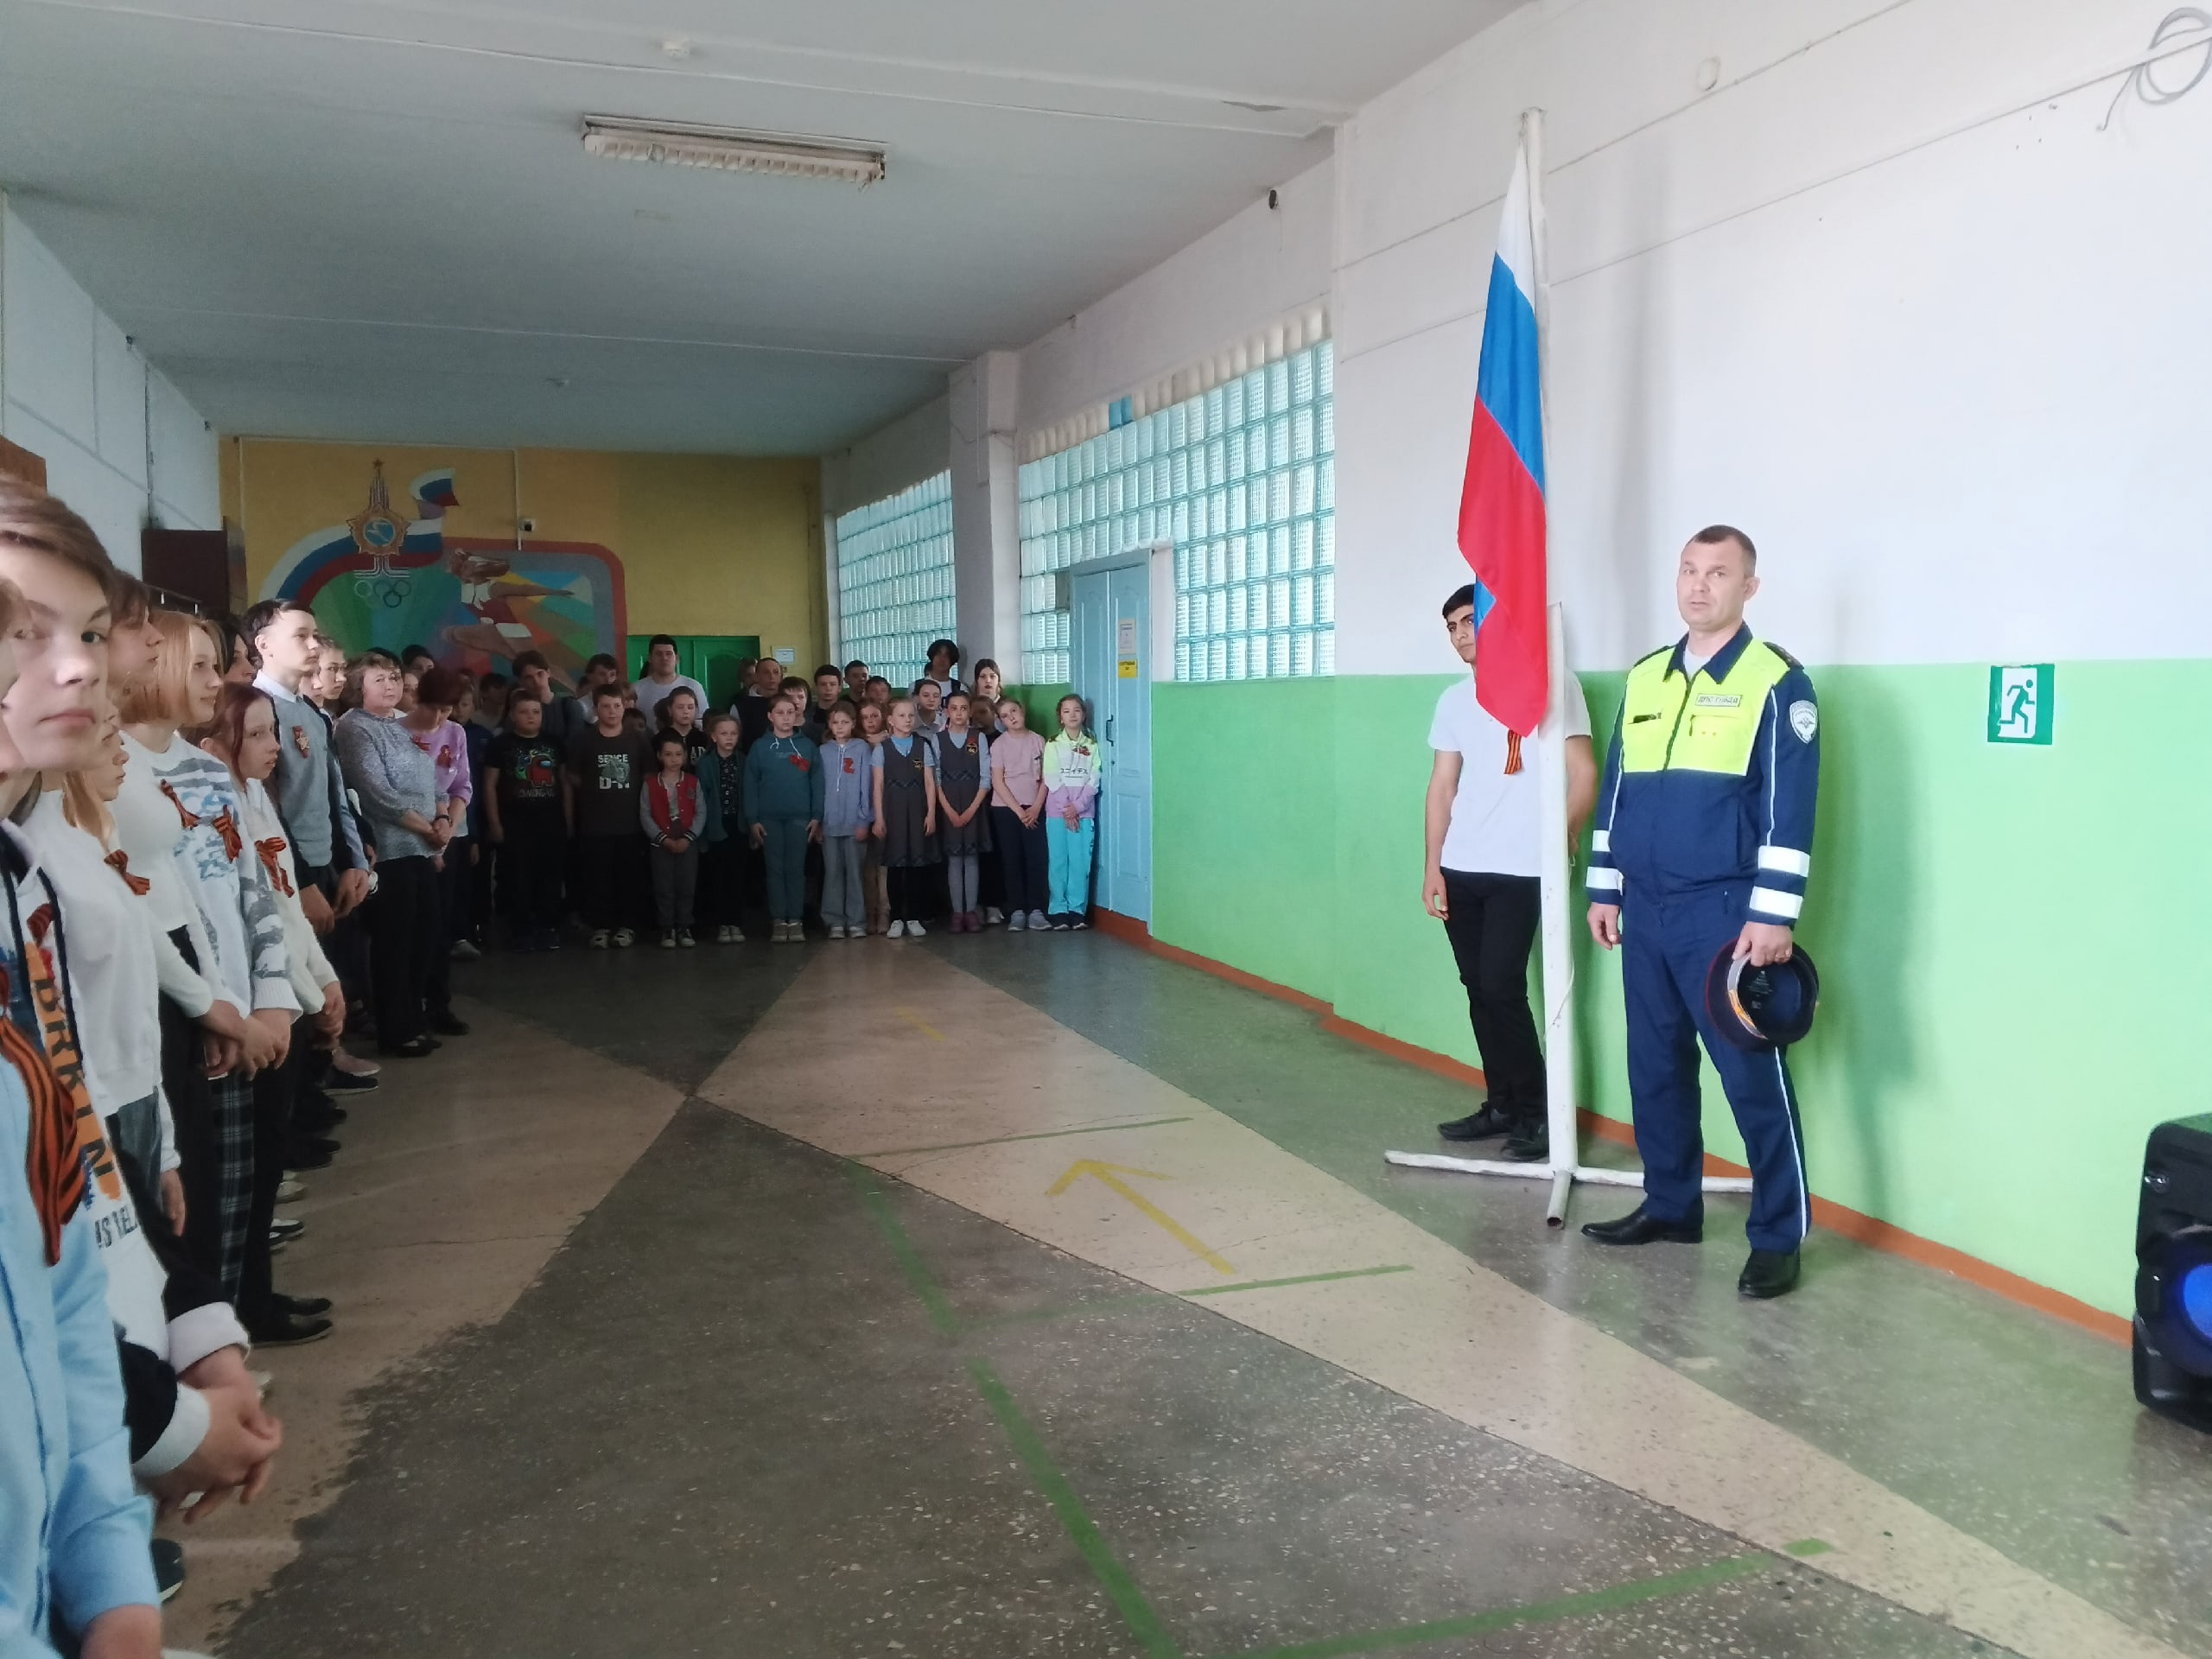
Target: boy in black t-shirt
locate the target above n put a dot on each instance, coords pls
(607, 763)
(526, 818)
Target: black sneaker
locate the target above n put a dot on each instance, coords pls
(345, 1083)
(1479, 1126)
(415, 1049)
(1531, 1145)
(300, 1307)
(287, 1227)
(169, 1567)
(307, 1157)
(446, 1025)
(287, 1331)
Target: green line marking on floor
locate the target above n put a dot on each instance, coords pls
(1576, 1606)
(878, 1204)
(1144, 1624)
(1301, 1278)
(1004, 1139)
(1129, 1304)
(1806, 1547)
(1144, 1299)
(1153, 1638)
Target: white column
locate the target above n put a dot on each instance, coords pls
(986, 532)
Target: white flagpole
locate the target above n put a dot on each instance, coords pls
(1556, 869)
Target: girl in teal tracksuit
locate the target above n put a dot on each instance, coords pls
(1071, 815)
(783, 801)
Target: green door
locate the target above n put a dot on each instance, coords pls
(710, 658)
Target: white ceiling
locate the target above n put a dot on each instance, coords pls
(374, 218)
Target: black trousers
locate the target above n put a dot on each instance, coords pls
(612, 869)
(274, 1092)
(909, 888)
(479, 928)
(404, 937)
(1492, 923)
(533, 859)
(346, 943)
(457, 890)
(1024, 860)
(192, 1107)
(722, 880)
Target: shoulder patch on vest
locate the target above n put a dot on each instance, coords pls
(1804, 719)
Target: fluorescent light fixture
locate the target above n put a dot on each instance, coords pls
(733, 149)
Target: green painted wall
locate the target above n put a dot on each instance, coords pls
(1038, 703)
(1243, 849)
(2013, 982)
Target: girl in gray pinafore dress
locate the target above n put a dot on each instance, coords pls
(964, 771)
(907, 814)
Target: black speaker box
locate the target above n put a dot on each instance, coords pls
(2173, 1273)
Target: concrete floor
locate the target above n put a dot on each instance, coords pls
(835, 1357)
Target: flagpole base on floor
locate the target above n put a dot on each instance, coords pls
(1561, 1176)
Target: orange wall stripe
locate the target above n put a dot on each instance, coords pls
(1128, 928)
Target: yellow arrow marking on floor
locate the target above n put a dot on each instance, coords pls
(920, 1024)
(1110, 1175)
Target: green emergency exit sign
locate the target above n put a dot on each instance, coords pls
(2019, 703)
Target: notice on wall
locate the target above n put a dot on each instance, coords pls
(1125, 647)
(2020, 703)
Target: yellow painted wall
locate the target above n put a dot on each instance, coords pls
(709, 543)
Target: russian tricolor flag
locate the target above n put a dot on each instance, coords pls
(434, 489)
(1502, 503)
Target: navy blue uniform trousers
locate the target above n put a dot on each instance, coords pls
(1667, 944)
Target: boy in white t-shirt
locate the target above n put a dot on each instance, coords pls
(1485, 855)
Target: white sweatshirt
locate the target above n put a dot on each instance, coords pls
(146, 830)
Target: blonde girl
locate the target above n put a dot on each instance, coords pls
(1071, 814)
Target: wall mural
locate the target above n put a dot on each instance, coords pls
(380, 579)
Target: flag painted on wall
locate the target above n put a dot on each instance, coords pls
(1502, 502)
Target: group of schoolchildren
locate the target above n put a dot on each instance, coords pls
(835, 804)
(184, 877)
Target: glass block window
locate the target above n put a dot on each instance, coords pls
(894, 580)
(1242, 480)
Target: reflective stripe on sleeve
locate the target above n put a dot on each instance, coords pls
(1601, 840)
(1603, 880)
(1773, 901)
(1786, 860)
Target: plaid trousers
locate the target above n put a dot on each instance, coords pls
(233, 1104)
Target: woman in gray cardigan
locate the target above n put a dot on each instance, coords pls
(398, 791)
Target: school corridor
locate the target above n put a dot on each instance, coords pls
(1036, 1295)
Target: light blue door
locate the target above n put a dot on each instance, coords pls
(1112, 671)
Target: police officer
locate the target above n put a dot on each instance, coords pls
(1704, 840)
